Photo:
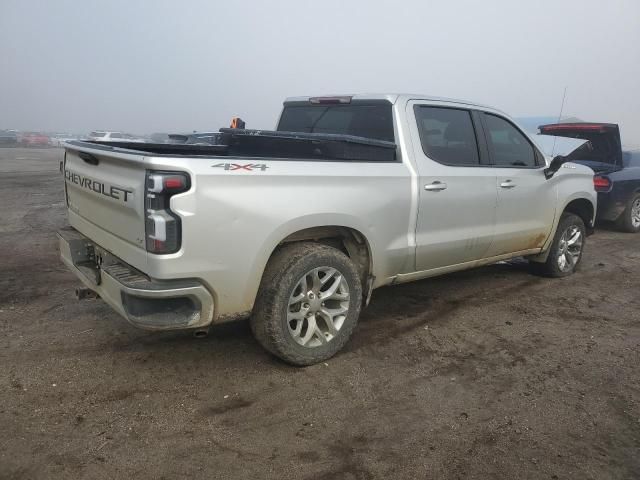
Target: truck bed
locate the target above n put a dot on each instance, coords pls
(266, 144)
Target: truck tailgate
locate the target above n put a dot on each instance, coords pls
(106, 189)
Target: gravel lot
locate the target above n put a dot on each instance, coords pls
(491, 373)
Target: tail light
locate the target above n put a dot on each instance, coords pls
(601, 184)
(162, 226)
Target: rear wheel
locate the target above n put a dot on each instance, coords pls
(308, 303)
(630, 219)
(566, 250)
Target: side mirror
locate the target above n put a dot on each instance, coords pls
(554, 166)
(560, 160)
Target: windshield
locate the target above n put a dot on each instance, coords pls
(370, 121)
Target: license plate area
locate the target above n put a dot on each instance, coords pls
(83, 255)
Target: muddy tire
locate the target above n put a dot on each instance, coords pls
(566, 250)
(629, 221)
(308, 303)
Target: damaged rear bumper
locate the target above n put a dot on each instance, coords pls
(145, 303)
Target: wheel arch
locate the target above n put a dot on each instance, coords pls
(346, 235)
(579, 205)
(349, 240)
(583, 208)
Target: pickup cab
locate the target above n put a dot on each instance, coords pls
(296, 227)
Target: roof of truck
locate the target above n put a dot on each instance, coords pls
(392, 98)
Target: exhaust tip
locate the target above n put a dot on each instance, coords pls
(85, 293)
(201, 333)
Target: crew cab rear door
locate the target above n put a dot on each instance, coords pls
(457, 187)
(526, 199)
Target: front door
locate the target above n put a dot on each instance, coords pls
(457, 207)
(526, 199)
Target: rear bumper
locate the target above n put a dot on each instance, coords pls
(145, 303)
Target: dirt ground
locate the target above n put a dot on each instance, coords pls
(487, 374)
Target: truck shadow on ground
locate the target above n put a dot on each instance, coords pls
(397, 310)
(393, 312)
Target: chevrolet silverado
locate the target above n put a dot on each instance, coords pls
(296, 227)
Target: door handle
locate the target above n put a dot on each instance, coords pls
(507, 184)
(435, 186)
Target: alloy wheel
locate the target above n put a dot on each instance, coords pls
(635, 213)
(318, 307)
(570, 248)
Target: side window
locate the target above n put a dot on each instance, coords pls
(116, 135)
(447, 135)
(508, 146)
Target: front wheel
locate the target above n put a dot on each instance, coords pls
(308, 303)
(566, 250)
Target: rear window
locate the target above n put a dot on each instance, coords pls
(369, 121)
(447, 135)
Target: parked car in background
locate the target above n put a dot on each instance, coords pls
(159, 138)
(104, 136)
(58, 139)
(199, 138)
(296, 227)
(617, 179)
(8, 138)
(34, 139)
(204, 138)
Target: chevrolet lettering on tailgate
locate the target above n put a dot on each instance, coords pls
(97, 186)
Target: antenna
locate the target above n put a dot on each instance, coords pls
(564, 95)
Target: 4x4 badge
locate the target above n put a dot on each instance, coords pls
(242, 166)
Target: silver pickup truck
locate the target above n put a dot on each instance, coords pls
(295, 227)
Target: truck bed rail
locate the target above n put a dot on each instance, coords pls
(267, 144)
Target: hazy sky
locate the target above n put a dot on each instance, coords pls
(146, 66)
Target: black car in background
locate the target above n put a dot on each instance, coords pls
(8, 138)
(617, 178)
